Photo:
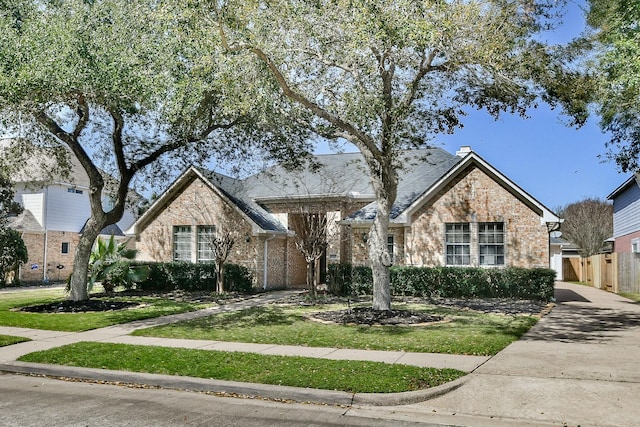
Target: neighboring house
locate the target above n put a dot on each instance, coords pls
(55, 212)
(626, 216)
(454, 210)
(565, 259)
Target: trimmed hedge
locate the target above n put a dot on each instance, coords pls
(187, 276)
(448, 282)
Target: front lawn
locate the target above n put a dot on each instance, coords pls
(346, 375)
(463, 332)
(9, 340)
(149, 307)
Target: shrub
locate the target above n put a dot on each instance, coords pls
(13, 253)
(449, 282)
(339, 278)
(187, 276)
(238, 278)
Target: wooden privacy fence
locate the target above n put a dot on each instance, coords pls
(616, 272)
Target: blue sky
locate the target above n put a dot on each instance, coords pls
(555, 164)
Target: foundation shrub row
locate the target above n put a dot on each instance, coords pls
(447, 282)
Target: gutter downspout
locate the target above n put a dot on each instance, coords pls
(45, 279)
(266, 257)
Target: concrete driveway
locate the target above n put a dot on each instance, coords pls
(579, 366)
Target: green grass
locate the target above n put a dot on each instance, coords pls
(9, 340)
(351, 376)
(75, 322)
(466, 332)
(631, 295)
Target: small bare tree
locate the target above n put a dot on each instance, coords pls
(587, 223)
(311, 240)
(221, 245)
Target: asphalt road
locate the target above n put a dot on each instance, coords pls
(38, 401)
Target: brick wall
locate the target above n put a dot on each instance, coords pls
(33, 270)
(476, 198)
(473, 198)
(198, 205)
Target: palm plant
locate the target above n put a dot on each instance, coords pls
(109, 265)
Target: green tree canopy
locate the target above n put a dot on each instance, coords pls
(134, 87)
(616, 25)
(8, 206)
(390, 75)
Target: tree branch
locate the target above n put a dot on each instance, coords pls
(359, 138)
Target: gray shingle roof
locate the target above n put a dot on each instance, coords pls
(235, 190)
(25, 222)
(422, 169)
(109, 230)
(337, 174)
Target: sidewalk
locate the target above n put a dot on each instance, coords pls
(44, 340)
(579, 366)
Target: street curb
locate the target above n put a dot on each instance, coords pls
(267, 391)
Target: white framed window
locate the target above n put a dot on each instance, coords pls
(65, 248)
(458, 244)
(635, 246)
(390, 245)
(206, 234)
(182, 243)
(491, 243)
(74, 190)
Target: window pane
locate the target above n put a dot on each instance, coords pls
(491, 243)
(182, 243)
(206, 236)
(458, 248)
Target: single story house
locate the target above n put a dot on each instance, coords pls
(453, 210)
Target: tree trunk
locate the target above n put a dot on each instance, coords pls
(385, 186)
(220, 278)
(380, 259)
(78, 285)
(310, 280)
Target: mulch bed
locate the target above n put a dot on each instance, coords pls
(79, 306)
(369, 316)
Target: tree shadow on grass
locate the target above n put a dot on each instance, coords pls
(254, 316)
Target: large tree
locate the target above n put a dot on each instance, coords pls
(616, 38)
(8, 206)
(389, 75)
(132, 86)
(587, 223)
(13, 251)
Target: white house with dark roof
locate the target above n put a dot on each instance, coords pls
(451, 210)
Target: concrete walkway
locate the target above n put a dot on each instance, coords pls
(44, 340)
(579, 366)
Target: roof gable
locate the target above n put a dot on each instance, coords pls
(473, 160)
(230, 190)
(632, 180)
